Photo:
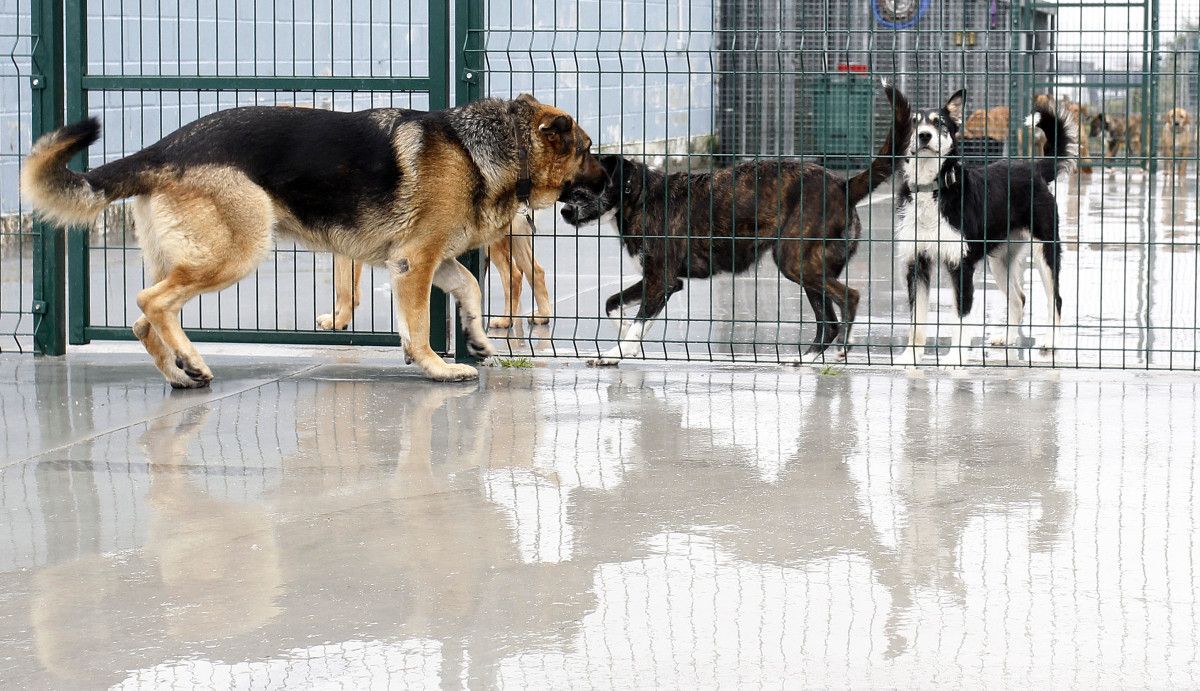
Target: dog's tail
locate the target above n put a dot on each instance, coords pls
(64, 196)
(884, 164)
(1061, 152)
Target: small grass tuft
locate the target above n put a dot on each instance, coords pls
(517, 362)
(829, 371)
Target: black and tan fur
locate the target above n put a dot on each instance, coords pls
(696, 225)
(407, 189)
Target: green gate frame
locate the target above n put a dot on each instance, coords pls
(61, 85)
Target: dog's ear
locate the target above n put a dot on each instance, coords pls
(954, 106)
(528, 98)
(558, 124)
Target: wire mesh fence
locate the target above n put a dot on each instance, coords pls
(695, 90)
(148, 69)
(17, 235)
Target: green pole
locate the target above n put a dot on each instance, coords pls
(468, 15)
(49, 268)
(439, 99)
(78, 295)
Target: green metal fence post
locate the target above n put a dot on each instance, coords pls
(1150, 127)
(78, 271)
(49, 268)
(468, 15)
(439, 99)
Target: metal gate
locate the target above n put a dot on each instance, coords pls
(147, 69)
(678, 85)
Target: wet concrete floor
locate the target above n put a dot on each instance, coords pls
(332, 520)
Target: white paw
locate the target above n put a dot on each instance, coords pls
(909, 356)
(325, 322)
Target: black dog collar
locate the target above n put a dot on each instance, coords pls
(524, 179)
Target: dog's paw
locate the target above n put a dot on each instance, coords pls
(1004, 340)
(481, 349)
(325, 322)
(539, 319)
(454, 371)
(908, 357)
(499, 324)
(195, 369)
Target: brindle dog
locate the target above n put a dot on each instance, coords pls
(698, 225)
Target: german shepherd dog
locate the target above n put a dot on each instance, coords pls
(698, 225)
(407, 189)
(959, 214)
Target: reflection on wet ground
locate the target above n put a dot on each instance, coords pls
(310, 522)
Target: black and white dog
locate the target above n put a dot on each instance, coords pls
(958, 214)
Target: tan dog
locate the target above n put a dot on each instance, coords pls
(402, 188)
(514, 261)
(1177, 142)
(991, 123)
(1079, 113)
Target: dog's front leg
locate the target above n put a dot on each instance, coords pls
(412, 270)
(616, 304)
(917, 275)
(654, 294)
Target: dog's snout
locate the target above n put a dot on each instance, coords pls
(924, 137)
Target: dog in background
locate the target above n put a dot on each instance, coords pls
(408, 189)
(1079, 113)
(1177, 142)
(1116, 131)
(991, 123)
(957, 214)
(698, 225)
(515, 263)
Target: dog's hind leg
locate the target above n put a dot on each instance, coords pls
(347, 290)
(917, 273)
(163, 357)
(205, 233)
(962, 279)
(1049, 261)
(527, 263)
(1006, 272)
(456, 279)
(501, 256)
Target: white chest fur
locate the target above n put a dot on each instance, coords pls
(922, 229)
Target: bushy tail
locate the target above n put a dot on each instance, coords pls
(885, 162)
(61, 195)
(1061, 152)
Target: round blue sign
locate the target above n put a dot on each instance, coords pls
(899, 14)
